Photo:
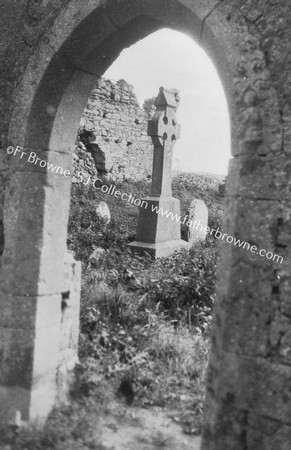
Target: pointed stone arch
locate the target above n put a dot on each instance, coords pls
(45, 105)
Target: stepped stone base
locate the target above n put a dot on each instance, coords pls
(159, 250)
(158, 234)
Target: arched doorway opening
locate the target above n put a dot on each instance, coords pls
(110, 275)
(50, 100)
(170, 58)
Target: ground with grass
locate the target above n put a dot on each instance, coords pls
(144, 332)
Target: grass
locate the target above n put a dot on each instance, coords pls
(74, 427)
(144, 323)
(180, 350)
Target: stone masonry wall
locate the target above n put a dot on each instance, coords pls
(113, 131)
(52, 53)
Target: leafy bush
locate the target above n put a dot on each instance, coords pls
(125, 287)
(185, 287)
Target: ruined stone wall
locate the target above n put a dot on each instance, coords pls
(113, 130)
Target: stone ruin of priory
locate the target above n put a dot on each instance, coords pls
(113, 131)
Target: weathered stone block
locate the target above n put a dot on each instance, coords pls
(198, 216)
(31, 160)
(255, 384)
(69, 330)
(47, 102)
(253, 222)
(41, 343)
(285, 296)
(266, 434)
(15, 402)
(46, 355)
(63, 133)
(225, 426)
(70, 310)
(16, 357)
(43, 222)
(122, 14)
(29, 313)
(243, 312)
(252, 176)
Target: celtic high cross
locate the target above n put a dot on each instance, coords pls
(157, 233)
(164, 131)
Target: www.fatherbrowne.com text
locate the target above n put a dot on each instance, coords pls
(130, 198)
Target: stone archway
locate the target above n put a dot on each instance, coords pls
(58, 55)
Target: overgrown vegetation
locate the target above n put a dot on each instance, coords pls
(144, 322)
(138, 314)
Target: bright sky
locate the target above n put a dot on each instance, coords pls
(171, 59)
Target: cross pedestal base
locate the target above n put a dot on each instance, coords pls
(159, 227)
(159, 250)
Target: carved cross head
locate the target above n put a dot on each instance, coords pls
(163, 128)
